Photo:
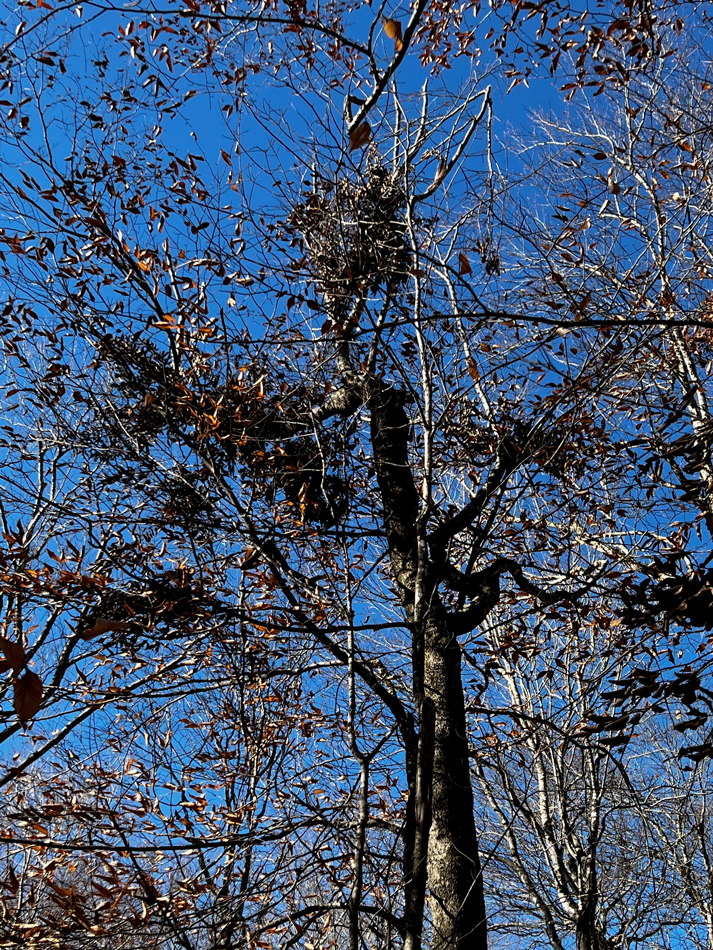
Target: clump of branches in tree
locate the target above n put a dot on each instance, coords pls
(356, 488)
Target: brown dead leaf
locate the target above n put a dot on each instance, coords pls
(252, 557)
(14, 653)
(359, 136)
(12, 883)
(612, 741)
(473, 370)
(464, 264)
(392, 28)
(104, 625)
(27, 697)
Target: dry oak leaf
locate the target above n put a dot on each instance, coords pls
(104, 625)
(27, 697)
(613, 740)
(392, 28)
(359, 136)
(14, 654)
(464, 264)
(473, 370)
(252, 557)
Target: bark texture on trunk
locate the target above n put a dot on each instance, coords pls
(589, 936)
(455, 883)
(417, 837)
(454, 874)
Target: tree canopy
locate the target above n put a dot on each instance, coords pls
(357, 486)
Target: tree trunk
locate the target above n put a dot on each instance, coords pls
(416, 835)
(584, 934)
(454, 875)
(588, 934)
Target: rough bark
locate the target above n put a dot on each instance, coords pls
(454, 872)
(589, 935)
(416, 851)
(455, 883)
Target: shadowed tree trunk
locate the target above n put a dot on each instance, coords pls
(454, 875)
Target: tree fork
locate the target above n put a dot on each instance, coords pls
(454, 874)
